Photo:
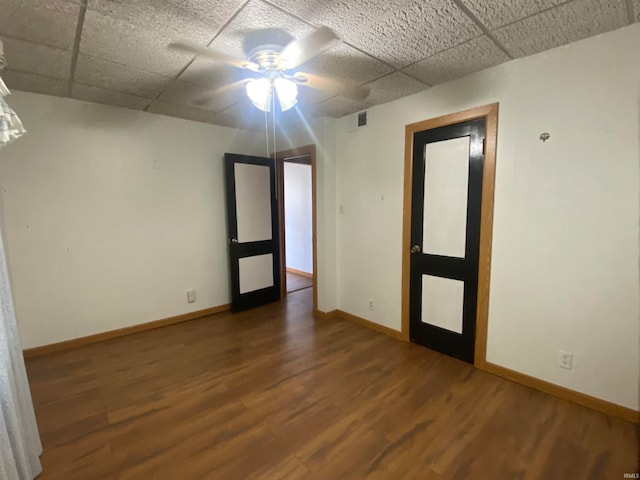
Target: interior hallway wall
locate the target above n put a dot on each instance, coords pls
(300, 131)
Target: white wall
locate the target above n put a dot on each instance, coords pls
(298, 216)
(321, 132)
(111, 215)
(565, 253)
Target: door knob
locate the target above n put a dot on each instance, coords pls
(415, 248)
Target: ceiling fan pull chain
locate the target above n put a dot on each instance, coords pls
(273, 110)
(275, 150)
(266, 131)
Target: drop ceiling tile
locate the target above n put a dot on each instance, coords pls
(50, 22)
(310, 96)
(137, 34)
(197, 96)
(420, 29)
(107, 97)
(192, 113)
(160, 15)
(567, 23)
(392, 87)
(31, 57)
(34, 83)
(345, 62)
(346, 17)
(119, 78)
(180, 111)
(211, 75)
(120, 42)
(254, 17)
(497, 13)
(337, 107)
(461, 60)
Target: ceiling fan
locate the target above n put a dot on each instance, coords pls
(272, 60)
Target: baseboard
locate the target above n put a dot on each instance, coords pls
(325, 315)
(369, 324)
(299, 272)
(583, 399)
(120, 332)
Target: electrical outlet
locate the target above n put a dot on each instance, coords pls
(565, 360)
(370, 304)
(191, 296)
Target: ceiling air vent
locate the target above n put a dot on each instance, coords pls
(362, 119)
(356, 121)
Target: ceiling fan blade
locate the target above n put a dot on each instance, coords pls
(300, 51)
(224, 90)
(331, 85)
(213, 55)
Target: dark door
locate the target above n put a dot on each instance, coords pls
(445, 236)
(252, 217)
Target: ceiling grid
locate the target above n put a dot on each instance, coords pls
(218, 32)
(115, 51)
(482, 27)
(82, 10)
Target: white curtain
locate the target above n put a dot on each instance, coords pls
(20, 446)
(10, 125)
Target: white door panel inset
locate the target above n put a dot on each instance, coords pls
(445, 197)
(256, 272)
(253, 202)
(442, 300)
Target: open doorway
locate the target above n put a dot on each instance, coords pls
(298, 232)
(296, 204)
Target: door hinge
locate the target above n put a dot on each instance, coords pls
(484, 145)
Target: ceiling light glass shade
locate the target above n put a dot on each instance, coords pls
(287, 91)
(259, 92)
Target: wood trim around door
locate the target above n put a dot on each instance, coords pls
(490, 114)
(295, 155)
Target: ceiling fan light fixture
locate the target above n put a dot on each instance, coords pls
(290, 57)
(287, 92)
(259, 92)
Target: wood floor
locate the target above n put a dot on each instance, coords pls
(275, 394)
(297, 282)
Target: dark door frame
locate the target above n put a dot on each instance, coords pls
(308, 151)
(490, 114)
